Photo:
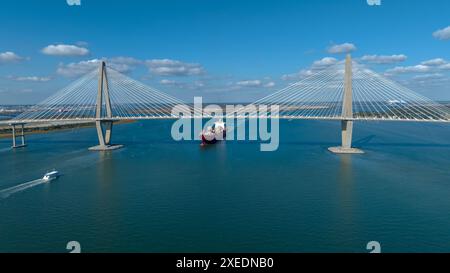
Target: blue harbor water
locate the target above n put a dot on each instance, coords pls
(158, 195)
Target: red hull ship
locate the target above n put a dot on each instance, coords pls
(215, 133)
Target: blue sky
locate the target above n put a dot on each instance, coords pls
(223, 50)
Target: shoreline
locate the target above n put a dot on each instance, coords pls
(6, 132)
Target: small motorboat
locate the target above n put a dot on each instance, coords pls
(51, 176)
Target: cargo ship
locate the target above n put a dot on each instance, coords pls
(214, 133)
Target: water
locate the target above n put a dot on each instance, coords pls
(157, 195)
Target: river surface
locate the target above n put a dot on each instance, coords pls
(159, 195)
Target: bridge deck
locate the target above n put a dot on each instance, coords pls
(84, 120)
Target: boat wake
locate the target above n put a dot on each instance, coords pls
(10, 191)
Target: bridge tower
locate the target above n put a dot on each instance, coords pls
(104, 123)
(347, 113)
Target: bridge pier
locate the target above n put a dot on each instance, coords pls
(347, 114)
(21, 135)
(106, 122)
(347, 135)
(104, 133)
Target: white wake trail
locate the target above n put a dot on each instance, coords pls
(10, 191)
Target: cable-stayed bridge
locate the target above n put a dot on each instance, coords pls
(345, 91)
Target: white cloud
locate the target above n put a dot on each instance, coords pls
(168, 82)
(199, 84)
(269, 84)
(420, 68)
(9, 57)
(65, 50)
(163, 67)
(428, 76)
(168, 67)
(25, 90)
(432, 67)
(296, 76)
(249, 83)
(266, 83)
(325, 62)
(13, 91)
(121, 64)
(427, 80)
(30, 79)
(126, 60)
(77, 69)
(384, 59)
(82, 43)
(434, 62)
(183, 85)
(316, 66)
(442, 34)
(341, 48)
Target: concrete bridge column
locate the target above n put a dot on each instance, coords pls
(347, 114)
(21, 135)
(105, 121)
(104, 133)
(108, 132)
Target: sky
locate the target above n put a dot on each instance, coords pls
(222, 50)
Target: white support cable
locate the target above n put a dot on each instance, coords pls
(397, 92)
(367, 96)
(381, 92)
(309, 90)
(282, 93)
(154, 97)
(421, 98)
(146, 104)
(299, 99)
(408, 98)
(318, 74)
(82, 98)
(126, 102)
(363, 104)
(318, 96)
(54, 100)
(362, 96)
(156, 105)
(311, 95)
(49, 106)
(388, 94)
(143, 106)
